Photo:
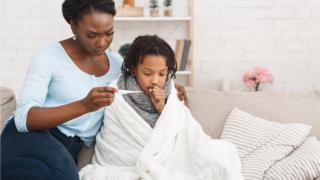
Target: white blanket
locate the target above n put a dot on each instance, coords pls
(127, 148)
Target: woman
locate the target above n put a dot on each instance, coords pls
(62, 99)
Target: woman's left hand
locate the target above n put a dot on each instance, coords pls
(182, 94)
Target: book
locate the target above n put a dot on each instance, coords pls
(179, 51)
(185, 55)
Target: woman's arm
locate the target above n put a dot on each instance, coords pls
(31, 112)
(43, 118)
(182, 94)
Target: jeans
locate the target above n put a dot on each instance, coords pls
(38, 155)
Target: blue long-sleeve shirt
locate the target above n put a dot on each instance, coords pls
(54, 80)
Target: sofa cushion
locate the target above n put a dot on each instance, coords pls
(7, 104)
(211, 107)
(303, 163)
(261, 143)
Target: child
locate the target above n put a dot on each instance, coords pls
(171, 145)
(149, 66)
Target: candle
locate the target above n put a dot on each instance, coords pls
(225, 84)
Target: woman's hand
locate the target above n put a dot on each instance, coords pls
(99, 97)
(158, 96)
(182, 94)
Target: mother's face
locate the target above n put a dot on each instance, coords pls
(94, 32)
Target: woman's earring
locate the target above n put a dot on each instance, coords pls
(74, 37)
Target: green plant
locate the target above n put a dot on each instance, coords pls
(123, 50)
(167, 3)
(154, 4)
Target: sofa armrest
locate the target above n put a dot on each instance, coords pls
(7, 105)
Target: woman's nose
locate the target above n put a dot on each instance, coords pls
(102, 43)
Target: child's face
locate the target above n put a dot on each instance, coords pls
(151, 72)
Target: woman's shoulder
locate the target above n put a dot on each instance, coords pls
(47, 55)
(49, 50)
(115, 58)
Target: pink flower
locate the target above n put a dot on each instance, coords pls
(253, 77)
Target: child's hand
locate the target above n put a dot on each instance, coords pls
(158, 96)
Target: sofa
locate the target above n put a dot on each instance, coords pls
(211, 108)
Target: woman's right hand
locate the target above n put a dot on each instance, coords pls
(99, 97)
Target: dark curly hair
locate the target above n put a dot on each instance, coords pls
(148, 45)
(75, 9)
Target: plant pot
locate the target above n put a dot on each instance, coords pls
(154, 12)
(167, 12)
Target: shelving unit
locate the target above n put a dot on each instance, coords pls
(179, 26)
(187, 18)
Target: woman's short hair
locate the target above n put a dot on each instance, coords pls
(75, 9)
(148, 45)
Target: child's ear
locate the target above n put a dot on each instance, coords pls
(133, 72)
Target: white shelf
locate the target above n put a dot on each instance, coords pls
(183, 72)
(147, 18)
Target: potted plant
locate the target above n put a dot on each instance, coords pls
(154, 8)
(167, 7)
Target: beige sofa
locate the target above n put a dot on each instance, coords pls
(211, 109)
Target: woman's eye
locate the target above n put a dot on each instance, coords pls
(110, 33)
(91, 36)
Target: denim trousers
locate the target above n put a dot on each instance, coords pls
(38, 155)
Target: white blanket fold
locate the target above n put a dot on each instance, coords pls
(128, 148)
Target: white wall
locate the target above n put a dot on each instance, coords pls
(230, 37)
(281, 35)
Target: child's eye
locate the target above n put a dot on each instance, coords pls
(147, 74)
(163, 74)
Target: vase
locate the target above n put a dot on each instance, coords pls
(257, 87)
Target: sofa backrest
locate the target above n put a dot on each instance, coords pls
(7, 105)
(211, 107)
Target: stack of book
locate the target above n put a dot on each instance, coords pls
(182, 53)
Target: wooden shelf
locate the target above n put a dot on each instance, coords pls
(147, 18)
(183, 72)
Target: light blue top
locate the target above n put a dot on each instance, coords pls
(54, 80)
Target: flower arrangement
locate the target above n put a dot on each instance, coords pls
(255, 76)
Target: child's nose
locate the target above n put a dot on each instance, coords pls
(154, 81)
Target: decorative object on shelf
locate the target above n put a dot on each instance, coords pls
(154, 8)
(129, 11)
(128, 3)
(167, 7)
(124, 49)
(255, 76)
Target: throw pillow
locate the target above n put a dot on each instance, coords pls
(303, 163)
(261, 143)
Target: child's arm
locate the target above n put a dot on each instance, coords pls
(158, 96)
